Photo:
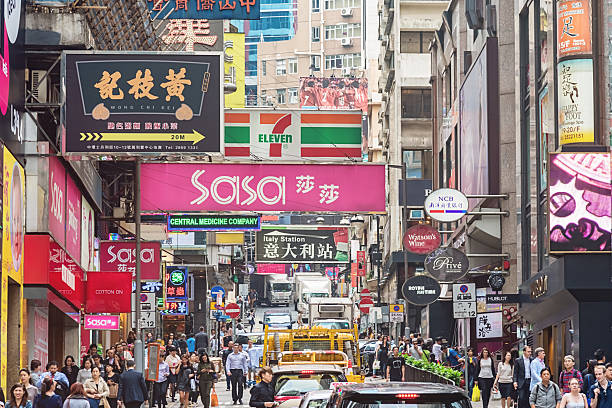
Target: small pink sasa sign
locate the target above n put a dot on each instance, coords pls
(101, 322)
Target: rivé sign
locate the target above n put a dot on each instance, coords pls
(447, 264)
(446, 205)
(421, 239)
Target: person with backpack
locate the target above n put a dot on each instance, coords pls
(588, 376)
(568, 373)
(545, 394)
(601, 392)
(62, 385)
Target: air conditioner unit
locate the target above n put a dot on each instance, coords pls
(346, 71)
(346, 42)
(346, 12)
(38, 85)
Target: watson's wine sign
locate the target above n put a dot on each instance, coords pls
(421, 239)
(447, 264)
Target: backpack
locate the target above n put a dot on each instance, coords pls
(61, 390)
(555, 387)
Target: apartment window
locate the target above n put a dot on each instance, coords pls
(293, 65)
(281, 67)
(415, 42)
(316, 34)
(339, 31)
(339, 4)
(293, 95)
(417, 163)
(281, 96)
(264, 70)
(264, 98)
(315, 63)
(343, 61)
(316, 6)
(416, 103)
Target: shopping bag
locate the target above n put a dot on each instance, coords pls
(476, 393)
(495, 394)
(376, 365)
(214, 399)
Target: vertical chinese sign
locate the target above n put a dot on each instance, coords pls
(142, 103)
(573, 28)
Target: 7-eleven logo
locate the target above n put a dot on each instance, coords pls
(279, 135)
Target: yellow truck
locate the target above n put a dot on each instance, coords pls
(316, 345)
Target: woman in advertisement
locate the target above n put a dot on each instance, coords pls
(16, 216)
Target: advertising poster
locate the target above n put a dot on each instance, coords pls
(334, 93)
(73, 219)
(209, 9)
(57, 198)
(142, 103)
(263, 187)
(13, 218)
(580, 202)
(290, 135)
(489, 325)
(87, 235)
(64, 273)
(301, 246)
(545, 133)
(575, 94)
(235, 68)
(573, 27)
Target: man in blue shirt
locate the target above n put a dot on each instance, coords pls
(601, 392)
(236, 367)
(537, 365)
(253, 362)
(454, 359)
(57, 376)
(191, 344)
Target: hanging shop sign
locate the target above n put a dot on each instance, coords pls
(176, 282)
(13, 218)
(302, 246)
(421, 239)
(489, 325)
(361, 263)
(579, 191)
(204, 9)
(57, 198)
(142, 103)
(447, 264)
(412, 192)
(446, 205)
(234, 60)
(421, 290)
(102, 322)
(108, 292)
(88, 237)
(290, 135)
(263, 187)
(120, 256)
(575, 94)
(176, 308)
(212, 222)
(573, 28)
(73, 219)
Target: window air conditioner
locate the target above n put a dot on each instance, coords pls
(346, 42)
(346, 12)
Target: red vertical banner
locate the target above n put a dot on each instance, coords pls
(353, 275)
(361, 263)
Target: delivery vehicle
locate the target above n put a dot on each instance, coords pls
(294, 381)
(311, 289)
(331, 312)
(397, 395)
(278, 290)
(299, 279)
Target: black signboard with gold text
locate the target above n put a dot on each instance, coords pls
(142, 103)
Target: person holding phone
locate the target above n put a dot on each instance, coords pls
(262, 395)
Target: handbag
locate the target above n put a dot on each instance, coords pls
(105, 402)
(192, 384)
(495, 394)
(376, 365)
(113, 390)
(214, 398)
(476, 393)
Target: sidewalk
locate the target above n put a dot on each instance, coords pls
(225, 397)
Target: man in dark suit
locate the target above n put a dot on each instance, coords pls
(201, 341)
(522, 377)
(132, 387)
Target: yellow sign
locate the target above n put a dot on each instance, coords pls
(396, 308)
(194, 137)
(213, 306)
(230, 238)
(235, 68)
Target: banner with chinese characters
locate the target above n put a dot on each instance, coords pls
(209, 9)
(302, 245)
(573, 28)
(176, 282)
(576, 109)
(489, 325)
(176, 307)
(293, 134)
(263, 187)
(142, 103)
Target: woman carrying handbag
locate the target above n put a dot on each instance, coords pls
(96, 390)
(485, 373)
(207, 376)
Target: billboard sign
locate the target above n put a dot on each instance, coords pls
(291, 135)
(573, 28)
(302, 246)
(57, 198)
(213, 222)
(263, 187)
(176, 282)
(334, 93)
(13, 218)
(579, 208)
(204, 9)
(576, 105)
(120, 256)
(142, 102)
(415, 190)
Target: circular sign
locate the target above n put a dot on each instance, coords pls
(177, 277)
(144, 297)
(446, 205)
(12, 18)
(421, 239)
(365, 304)
(447, 264)
(464, 288)
(217, 289)
(421, 290)
(365, 293)
(232, 310)
(396, 308)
